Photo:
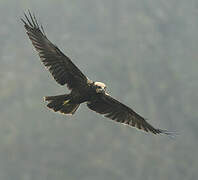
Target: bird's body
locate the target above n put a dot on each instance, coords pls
(82, 89)
(92, 92)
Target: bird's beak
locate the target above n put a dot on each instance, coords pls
(104, 90)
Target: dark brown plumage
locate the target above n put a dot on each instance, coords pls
(82, 89)
(59, 65)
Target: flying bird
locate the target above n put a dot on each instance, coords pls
(65, 72)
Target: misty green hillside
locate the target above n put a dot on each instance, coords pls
(144, 51)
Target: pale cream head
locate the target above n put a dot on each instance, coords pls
(101, 87)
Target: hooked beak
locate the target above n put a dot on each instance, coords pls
(101, 90)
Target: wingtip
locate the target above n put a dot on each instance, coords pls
(171, 134)
(23, 21)
(30, 21)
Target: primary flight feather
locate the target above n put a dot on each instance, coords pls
(65, 72)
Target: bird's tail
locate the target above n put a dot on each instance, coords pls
(61, 103)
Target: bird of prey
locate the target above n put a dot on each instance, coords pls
(65, 72)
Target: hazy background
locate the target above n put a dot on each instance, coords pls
(146, 52)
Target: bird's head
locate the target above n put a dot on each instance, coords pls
(100, 87)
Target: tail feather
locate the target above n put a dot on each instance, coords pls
(69, 108)
(62, 103)
(60, 97)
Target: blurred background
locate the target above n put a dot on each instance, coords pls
(146, 53)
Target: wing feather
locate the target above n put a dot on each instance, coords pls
(59, 65)
(113, 109)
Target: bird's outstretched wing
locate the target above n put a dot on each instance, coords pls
(113, 109)
(59, 65)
